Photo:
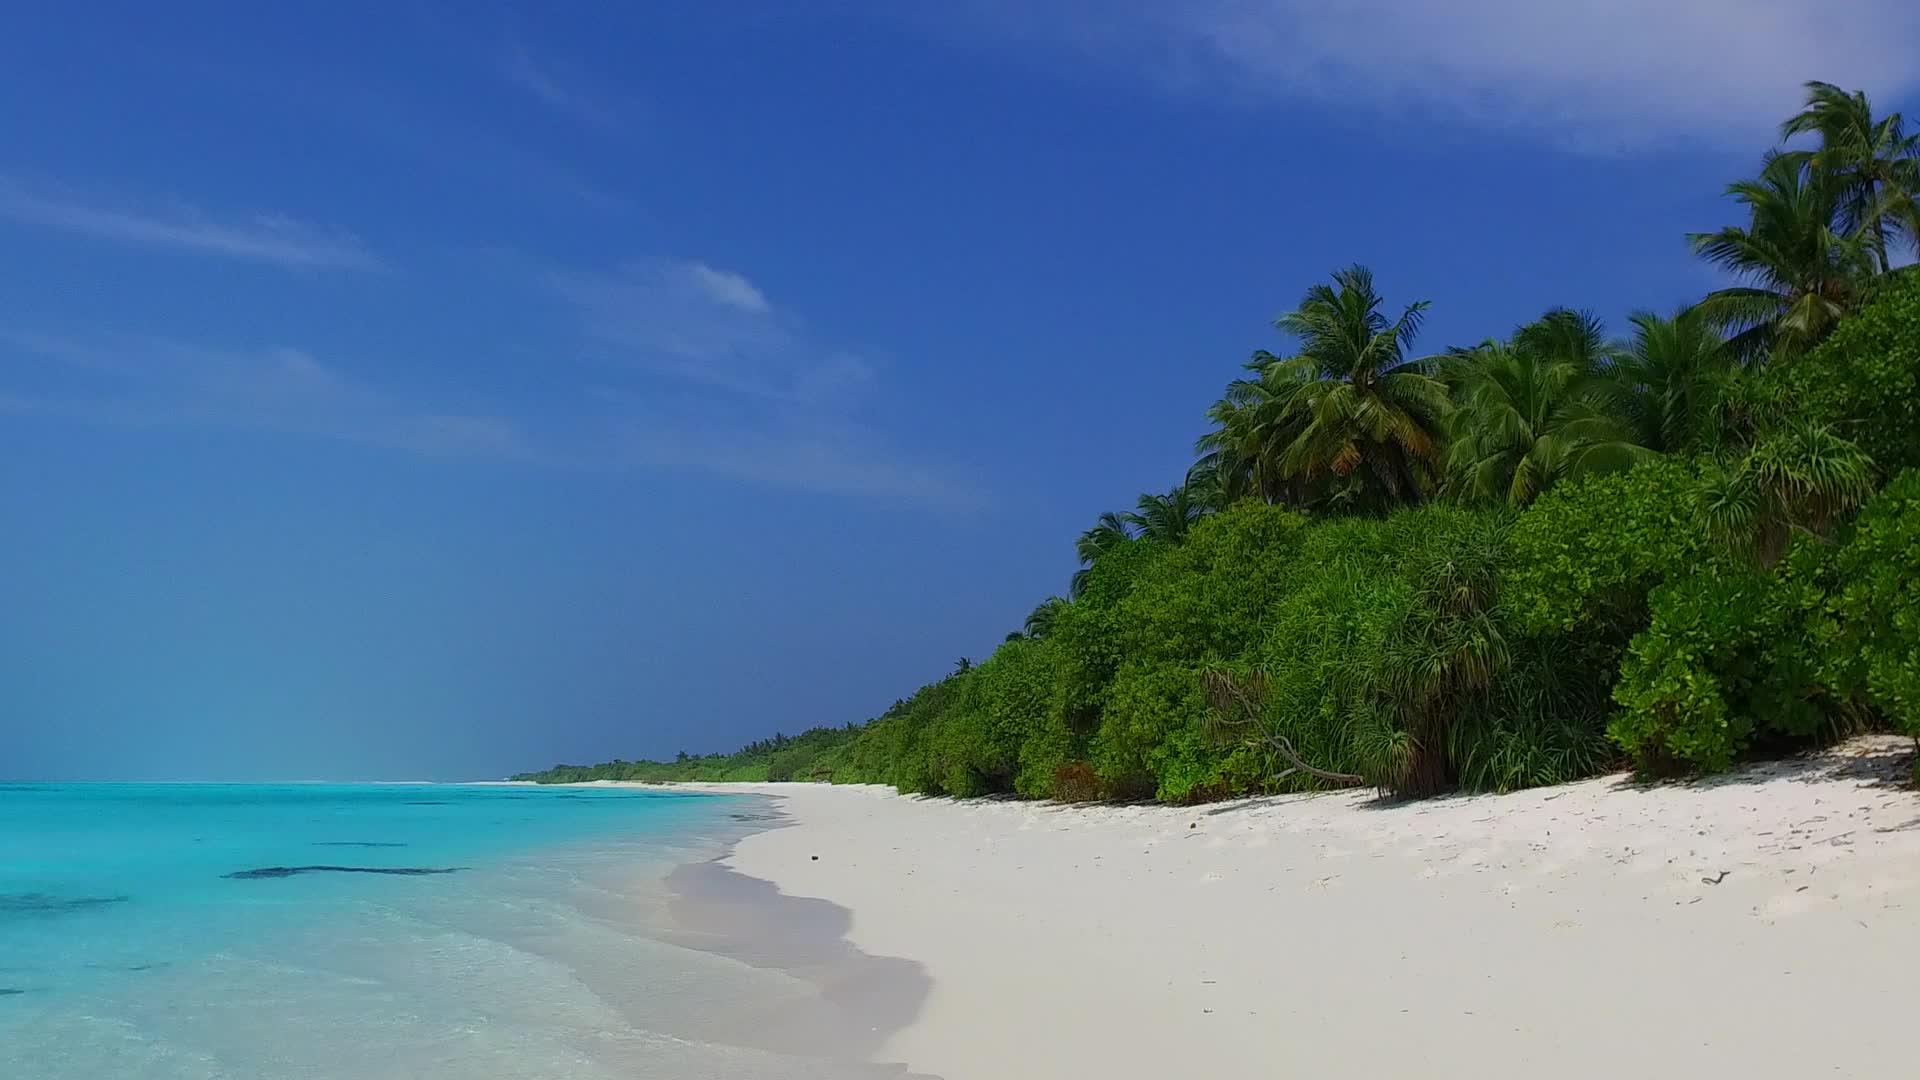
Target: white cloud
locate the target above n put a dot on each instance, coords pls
(270, 238)
(145, 382)
(728, 288)
(1600, 76)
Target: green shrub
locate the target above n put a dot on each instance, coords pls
(1733, 650)
(793, 763)
(1323, 655)
(1544, 721)
(1206, 598)
(1588, 552)
(1864, 380)
(1878, 605)
(1152, 732)
(1088, 631)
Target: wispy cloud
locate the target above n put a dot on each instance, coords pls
(560, 92)
(727, 382)
(793, 425)
(148, 382)
(798, 453)
(693, 369)
(268, 238)
(1603, 76)
(728, 288)
(692, 322)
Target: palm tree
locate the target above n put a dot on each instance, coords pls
(1040, 620)
(1208, 487)
(1534, 411)
(962, 666)
(1801, 272)
(1109, 532)
(1240, 453)
(1349, 414)
(1677, 382)
(1166, 518)
(1874, 163)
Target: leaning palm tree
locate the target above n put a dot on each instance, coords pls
(1801, 269)
(1350, 413)
(1109, 532)
(1874, 163)
(1535, 411)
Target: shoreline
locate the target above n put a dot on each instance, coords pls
(1756, 924)
(853, 1001)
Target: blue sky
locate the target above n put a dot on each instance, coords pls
(409, 390)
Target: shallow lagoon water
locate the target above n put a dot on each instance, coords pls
(215, 931)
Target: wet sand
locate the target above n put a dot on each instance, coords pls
(855, 1001)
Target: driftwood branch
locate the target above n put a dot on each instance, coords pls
(1227, 692)
(1280, 743)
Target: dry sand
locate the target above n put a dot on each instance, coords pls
(1764, 924)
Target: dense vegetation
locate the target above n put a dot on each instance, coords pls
(1511, 564)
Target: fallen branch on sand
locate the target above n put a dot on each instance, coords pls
(1230, 698)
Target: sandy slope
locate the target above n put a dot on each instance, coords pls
(1573, 931)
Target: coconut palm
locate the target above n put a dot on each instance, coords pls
(1167, 518)
(1241, 453)
(1576, 337)
(1349, 417)
(1040, 620)
(1801, 270)
(1874, 163)
(1677, 382)
(1534, 411)
(1208, 488)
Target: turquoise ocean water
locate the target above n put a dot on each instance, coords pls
(421, 931)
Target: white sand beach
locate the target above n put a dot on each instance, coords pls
(1762, 924)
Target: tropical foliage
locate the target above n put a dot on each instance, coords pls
(1536, 410)
(1509, 564)
(1348, 422)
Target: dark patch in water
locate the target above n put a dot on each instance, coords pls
(356, 843)
(34, 903)
(289, 871)
(8, 991)
(424, 802)
(129, 967)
